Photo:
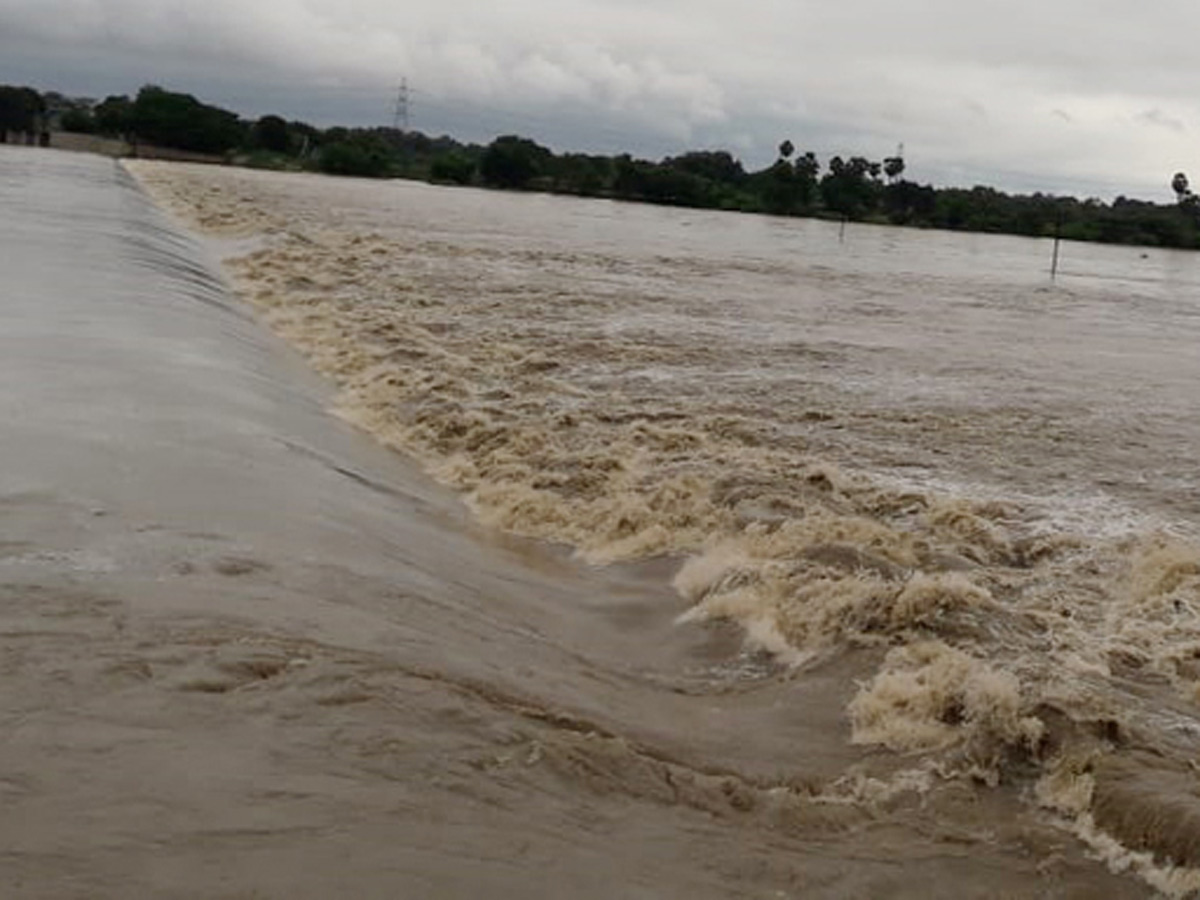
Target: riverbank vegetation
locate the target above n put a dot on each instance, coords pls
(847, 187)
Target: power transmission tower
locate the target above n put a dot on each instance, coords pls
(400, 120)
(893, 166)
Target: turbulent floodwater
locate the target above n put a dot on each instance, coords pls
(882, 582)
(912, 442)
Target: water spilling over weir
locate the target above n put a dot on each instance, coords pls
(865, 598)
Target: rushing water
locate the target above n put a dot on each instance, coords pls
(933, 614)
(934, 355)
(911, 441)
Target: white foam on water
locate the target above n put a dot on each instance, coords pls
(574, 396)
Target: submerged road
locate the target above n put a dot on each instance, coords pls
(245, 652)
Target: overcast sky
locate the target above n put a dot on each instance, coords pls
(1092, 98)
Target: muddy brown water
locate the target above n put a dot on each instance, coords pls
(609, 551)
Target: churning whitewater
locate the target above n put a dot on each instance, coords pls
(841, 455)
(906, 446)
(882, 579)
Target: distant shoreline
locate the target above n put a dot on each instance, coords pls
(163, 124)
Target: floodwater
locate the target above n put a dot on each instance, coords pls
(720, 557)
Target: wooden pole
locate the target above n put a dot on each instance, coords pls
(1057, 238)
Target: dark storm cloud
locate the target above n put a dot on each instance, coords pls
(1090, 96)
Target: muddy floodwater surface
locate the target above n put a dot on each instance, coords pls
(718, 556)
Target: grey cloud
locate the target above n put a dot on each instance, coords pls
(1159, 119)
(661, 75)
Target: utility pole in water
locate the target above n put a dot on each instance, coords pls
(1057, 239)
(400, 119)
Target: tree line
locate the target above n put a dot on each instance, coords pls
(853, 188)
(22, 111)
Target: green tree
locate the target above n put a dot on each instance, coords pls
(907, 202)
(807, 170)
(781, 188)
(80, 121)
(712, 165)
(893, 167)
(271, 133)
(513, 162)
(21, 109)
(452, 168)
(362, 154)
(183, 122)
(579, 173)
(852, 186)
(1179, 184)
(114, 115)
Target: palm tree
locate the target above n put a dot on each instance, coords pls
(1179, 184)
